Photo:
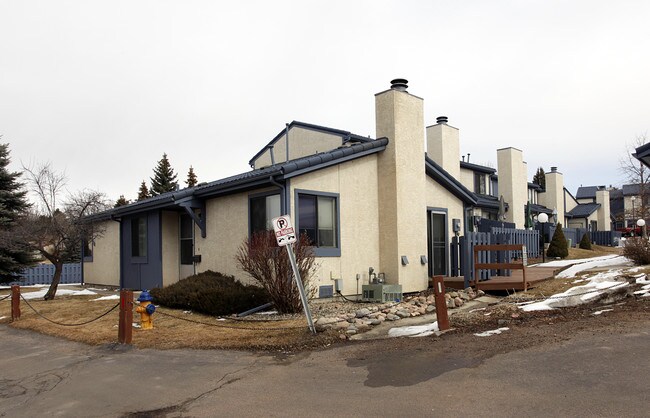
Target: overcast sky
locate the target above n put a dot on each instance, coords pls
(103, 88)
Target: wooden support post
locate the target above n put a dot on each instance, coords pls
(441, 303)
(15, 302)
(125, 329)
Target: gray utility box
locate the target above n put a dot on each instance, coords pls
(382, 292)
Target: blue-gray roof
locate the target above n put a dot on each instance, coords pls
(447, 181)
(583, 210)
(588, 192)
(631, 189)
(252, 179)
(477, 167)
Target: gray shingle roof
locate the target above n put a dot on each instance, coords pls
(583, 210)
(586, 192)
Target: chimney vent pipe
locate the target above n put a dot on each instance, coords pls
(553, 169)
(399, 84)
(442, 119)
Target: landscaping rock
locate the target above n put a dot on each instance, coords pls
(403, 314)
(392, 317)
(458, 302)
(362, 312)
(430, 308)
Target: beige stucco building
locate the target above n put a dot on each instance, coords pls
(388, 205)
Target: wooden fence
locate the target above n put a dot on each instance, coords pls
(43, 274)
(462, 251)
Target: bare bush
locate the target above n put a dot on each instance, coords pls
(637, 250)
(269, 266)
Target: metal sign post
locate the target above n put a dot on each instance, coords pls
(285, 235)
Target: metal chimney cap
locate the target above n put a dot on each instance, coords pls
(399, 84)
(553, 169)
(442, 119)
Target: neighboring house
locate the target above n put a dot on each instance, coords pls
(385, 203)
(628, 204)
(589, 209)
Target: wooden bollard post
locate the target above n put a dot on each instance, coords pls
(125, 329)
(441, 303)
(15, 302)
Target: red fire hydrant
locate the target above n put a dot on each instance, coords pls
(146, 310)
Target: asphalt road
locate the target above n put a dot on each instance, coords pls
(590, 374)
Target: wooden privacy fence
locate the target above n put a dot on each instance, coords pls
(509, 264)
(574, 235)
(462, 250)
(43, 274)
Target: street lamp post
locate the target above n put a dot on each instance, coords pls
(543, 218)
(641, 224)
(633, 198)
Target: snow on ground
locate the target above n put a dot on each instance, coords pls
(564, 263)
(595, 286)
(109, 297)
(414, 330)
(39, 294)
(41, 285)
(602, 311)
(492, 332)
(590, 264)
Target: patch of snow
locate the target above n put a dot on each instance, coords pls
(601, 311)
(564, 263)
(642, 280)
(487, 314)
(60, 292)
(492, 332)
(594, 263)
(109, 297)
(3, 317)
(187, 312)
(135, 325)
(414, 330)
(267, 313)
(597, 285)
(476, 310)
(579, 281)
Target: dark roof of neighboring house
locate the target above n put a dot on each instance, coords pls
(489, 202)
(631, 189)
(615, 194)
(255, 178)
(446, 180)
(534, 186)
(477, 167)
(345, 136)
(588, 192)
(643, 154)
(583, 210)
(540, 209)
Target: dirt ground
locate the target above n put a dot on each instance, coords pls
(179, 329)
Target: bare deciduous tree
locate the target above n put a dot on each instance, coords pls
(636, 173)
(55, 225)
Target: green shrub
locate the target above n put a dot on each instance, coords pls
(211, 293)
(638, 250)
(585, 242)
(558, 246)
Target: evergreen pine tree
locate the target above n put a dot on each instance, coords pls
(191, 178)
(558, 246)
(540, 178)
(164, 178)
(585, 242)
(122, 201)
(143, 193)
(14, 257)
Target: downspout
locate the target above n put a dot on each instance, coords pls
(284, 198)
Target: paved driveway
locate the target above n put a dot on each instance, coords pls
(592, 374)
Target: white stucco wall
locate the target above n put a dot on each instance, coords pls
(170, 248)
(513, 183)
(104, 269)
(467, 179)
(360, 233)
(302, 142)
(603, 214)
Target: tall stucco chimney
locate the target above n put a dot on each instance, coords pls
(553, 196)
(401, 173)
(443, 146)
(513, 184)
(604, 222)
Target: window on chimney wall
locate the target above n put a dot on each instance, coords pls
(318, 217)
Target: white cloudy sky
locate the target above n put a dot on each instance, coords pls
(102, 88)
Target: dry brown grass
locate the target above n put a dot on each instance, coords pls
(168, 333)
(596, 251)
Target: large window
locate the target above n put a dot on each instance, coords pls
(262, 209)
(139, 237)
(318, 218)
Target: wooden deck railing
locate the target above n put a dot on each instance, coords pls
(500, 266)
